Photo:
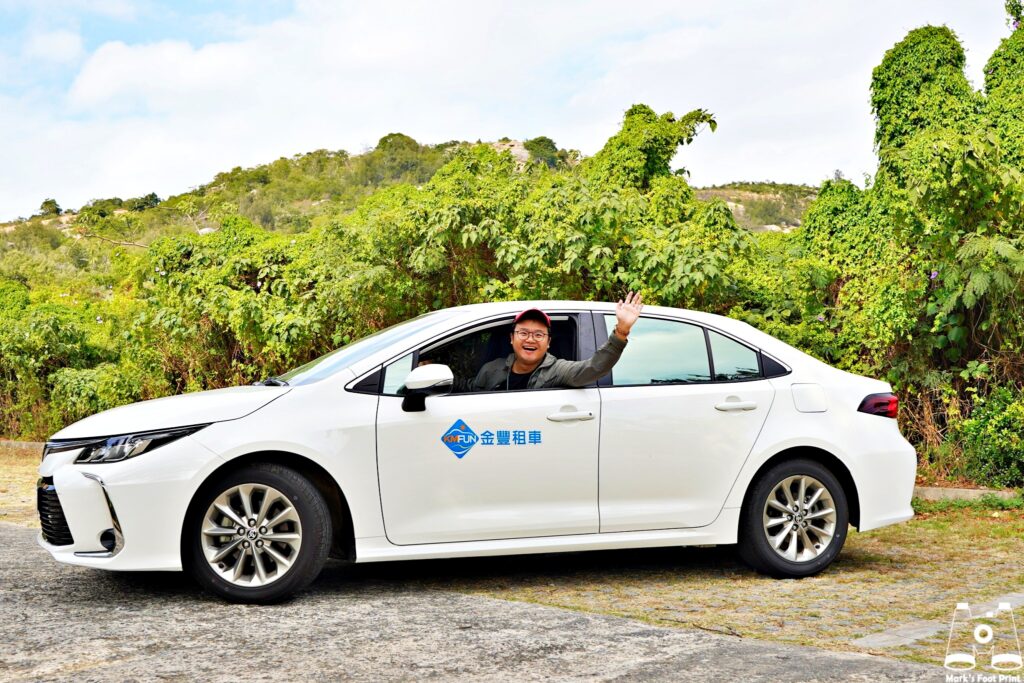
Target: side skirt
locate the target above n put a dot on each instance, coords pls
(720, 532)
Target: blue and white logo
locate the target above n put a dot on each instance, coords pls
(459, 438)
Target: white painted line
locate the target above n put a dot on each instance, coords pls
(911, 632)
(902, 635)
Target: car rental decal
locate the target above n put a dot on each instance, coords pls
(460, 438)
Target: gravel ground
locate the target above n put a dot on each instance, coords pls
(70, 623)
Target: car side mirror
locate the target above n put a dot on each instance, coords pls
(427, 380)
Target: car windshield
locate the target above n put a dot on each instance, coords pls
(336, 360)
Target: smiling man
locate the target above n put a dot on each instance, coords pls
(530, 366)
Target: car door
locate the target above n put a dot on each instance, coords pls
(484, 466)
(675, 428)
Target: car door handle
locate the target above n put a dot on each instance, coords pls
(571, 416)
(731, 406)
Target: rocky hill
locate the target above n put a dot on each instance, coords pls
(763, 206)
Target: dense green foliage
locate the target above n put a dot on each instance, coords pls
(916, 278)
(919, 86)
(993, 438)
(644, 148)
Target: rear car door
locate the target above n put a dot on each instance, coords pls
(678, 420)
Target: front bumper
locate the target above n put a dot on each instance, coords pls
(143, 500)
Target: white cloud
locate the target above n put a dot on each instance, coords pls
(788, 83)
(60, 46)
(111, 9)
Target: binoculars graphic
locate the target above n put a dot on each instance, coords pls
(990, 638)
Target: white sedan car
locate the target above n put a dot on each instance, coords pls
(706, 432)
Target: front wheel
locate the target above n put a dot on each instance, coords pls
(258, 534)
(795, 520)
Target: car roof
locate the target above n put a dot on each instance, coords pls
(498, 307)
(737, 328)
(555, 305)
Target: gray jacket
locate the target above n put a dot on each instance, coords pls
(553, 372)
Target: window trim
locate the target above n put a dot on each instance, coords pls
(467, 328)
(707, 349)
(707, 345)
(352, 387)
(757, 354)
(788, 370)
(600, 333)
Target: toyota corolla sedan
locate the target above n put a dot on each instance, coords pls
(706, 432)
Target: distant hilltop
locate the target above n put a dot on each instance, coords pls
(763, 206)
(292, 193)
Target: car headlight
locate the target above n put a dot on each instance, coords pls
(121, 447)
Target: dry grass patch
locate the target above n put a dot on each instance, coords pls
(18, 474)
(882, 579)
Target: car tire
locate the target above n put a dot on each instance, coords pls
(778, 540)
(257, 534)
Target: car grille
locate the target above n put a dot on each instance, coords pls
(51, 515)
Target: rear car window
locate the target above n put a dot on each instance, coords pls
(661, 352)
(733, 361)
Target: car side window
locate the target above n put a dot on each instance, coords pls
(466, 353)
(733, 361)
(662, 352)
(395, 374)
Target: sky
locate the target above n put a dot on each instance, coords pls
(104, 98)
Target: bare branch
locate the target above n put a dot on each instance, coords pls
(90, 235)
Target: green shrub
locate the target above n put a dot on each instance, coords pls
(13, 298)
(993, 439)
(765, 212)
(543, 149)
(76, 394)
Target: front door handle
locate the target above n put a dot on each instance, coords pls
(571, 416)
(731, 406)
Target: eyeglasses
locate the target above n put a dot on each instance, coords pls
(535, 336)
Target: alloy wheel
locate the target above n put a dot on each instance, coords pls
(251, 535)
(799, 518)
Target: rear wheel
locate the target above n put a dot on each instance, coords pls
(258, 534)
(795, 520)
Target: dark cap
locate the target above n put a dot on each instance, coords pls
(534, 314)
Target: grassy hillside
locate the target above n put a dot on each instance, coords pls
(765, 205)
(287, 195)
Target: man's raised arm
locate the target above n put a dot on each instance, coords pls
(583, 372)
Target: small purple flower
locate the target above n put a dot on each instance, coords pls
(821, 318)
(934, 275)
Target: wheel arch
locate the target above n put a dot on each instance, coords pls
(343, 541)
(826, 459)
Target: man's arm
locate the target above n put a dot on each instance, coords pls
(582, 373)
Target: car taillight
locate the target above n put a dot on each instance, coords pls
(880, 404)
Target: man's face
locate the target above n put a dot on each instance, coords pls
(530, 350)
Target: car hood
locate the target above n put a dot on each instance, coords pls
(201, 407)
